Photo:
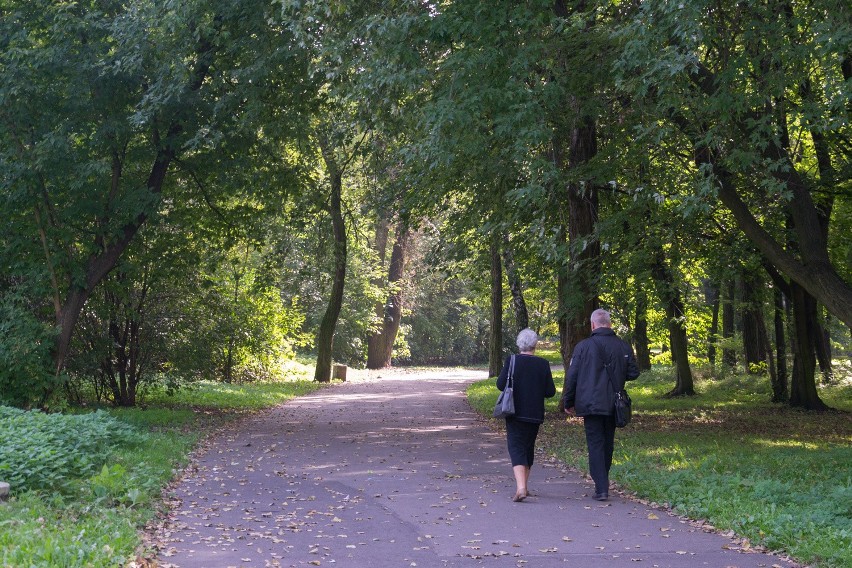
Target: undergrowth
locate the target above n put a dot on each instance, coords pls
(86, 482)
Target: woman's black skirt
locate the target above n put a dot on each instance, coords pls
(521, 439)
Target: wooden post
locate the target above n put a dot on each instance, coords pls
(339, 372)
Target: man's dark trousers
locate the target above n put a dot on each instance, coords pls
(600, 439)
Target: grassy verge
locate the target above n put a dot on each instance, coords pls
(85, 508)
(774, 475)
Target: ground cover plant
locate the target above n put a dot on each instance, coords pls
(84, 484)
(776, 476)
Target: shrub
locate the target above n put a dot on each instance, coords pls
(46, 451)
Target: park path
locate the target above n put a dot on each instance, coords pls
(396, 470)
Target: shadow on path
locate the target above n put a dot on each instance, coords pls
(398, 471)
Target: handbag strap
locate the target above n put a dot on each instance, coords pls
(511, 379)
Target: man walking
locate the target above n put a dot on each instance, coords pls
(590, 392)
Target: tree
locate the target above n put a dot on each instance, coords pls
(100, 102)
(743, 95)
(380, 344)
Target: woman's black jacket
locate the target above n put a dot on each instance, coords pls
(587, 384)
(533, 382)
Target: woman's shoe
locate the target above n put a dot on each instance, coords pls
(520, 496)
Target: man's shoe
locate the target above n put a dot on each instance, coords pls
(600, 496)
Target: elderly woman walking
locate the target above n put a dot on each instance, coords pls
(532, 383)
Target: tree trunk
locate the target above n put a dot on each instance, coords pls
(374, 340)
(711, 296)
(729, 356)
(380, 345)
(822, 341)
(495, 337)
(780, 387)
(577, 280)
(766, 346)
(803, 392)
(643, 353)
(522, 319)
(676, 323)
(325, 336)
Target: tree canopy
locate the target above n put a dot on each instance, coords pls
(205, 188)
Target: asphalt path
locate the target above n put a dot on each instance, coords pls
(396, 470)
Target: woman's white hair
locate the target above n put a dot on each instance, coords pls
(527, 340)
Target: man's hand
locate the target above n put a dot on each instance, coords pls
(569, 411)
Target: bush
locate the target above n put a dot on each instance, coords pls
(47, 451)
(25, 346)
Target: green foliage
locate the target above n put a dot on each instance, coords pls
(111, 485)
(446, 325)
(48, 451)
(24, 353)
(41, 531)
(117, 488)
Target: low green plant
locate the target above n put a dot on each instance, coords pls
(775, 475)
(82, 498)
(113, 486)
(47, 451)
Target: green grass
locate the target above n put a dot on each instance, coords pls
(777, 476)
(551, 353)
(90, 514)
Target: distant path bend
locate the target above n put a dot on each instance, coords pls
(396, 470)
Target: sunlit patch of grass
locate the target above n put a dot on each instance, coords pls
(776, 475)
(222, 396)
(552, 354)
(784, 444)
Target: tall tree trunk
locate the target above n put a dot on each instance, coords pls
(374, 340)
(325, 336)
(729, 356)
(822, 340)
(711, 296)
(643, 353)
(522, 319)
(676, 322)
(232, 341)
(577, 281)
(766, 347)
(780, 386)
(803, 392)
(495, 337)
(380, 345)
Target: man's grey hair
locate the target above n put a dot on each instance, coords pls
(527, 340)
(601, 318)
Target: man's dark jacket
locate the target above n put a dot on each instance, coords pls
(587, 384)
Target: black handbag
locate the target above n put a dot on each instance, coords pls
(505, 406)
(622, 406)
